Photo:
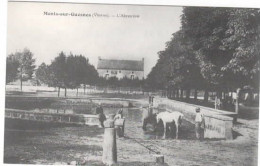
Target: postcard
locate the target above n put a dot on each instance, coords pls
(128, 84)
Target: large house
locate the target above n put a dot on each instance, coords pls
(120, 68)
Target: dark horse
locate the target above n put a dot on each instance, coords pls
(149, 117)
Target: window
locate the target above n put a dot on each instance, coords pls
(107, 71)
(119, 71)
(113, 72)
(132, 72)
(132, 77)
(106, 76)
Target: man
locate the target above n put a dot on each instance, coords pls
(199, 121)
(217, 103)
(101, 115)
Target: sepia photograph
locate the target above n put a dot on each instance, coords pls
(131, 85)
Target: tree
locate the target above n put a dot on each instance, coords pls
(59, 74)
(243, 38)
(91, 74)
(42, 74)
(226, 44)
(77, 68)
(205, 28)
(11, 68)
(70, 72)
(176, 67)
(26, 65)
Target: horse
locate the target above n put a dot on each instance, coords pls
(170, 118)
(149, 117)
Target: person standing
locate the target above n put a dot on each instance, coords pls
(119, 114)
(101, 115)
(199, 122)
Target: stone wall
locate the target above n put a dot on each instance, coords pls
(52, 117)
(218, 123)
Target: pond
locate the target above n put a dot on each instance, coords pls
(133, 117)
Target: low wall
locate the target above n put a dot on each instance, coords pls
(217, 126)
(218, 123)
(115, 102)
(52, 117)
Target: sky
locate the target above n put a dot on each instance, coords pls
(106, 36)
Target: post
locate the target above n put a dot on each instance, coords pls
(109, 145)
(237, 104)
(159, 159)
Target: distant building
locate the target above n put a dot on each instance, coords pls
(120, 68)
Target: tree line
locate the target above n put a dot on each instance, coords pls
(70, 71)
(65, 71)
(216, 49)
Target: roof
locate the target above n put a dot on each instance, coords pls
(121, 64)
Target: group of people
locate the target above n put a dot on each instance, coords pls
(199, 120)
(102, 116)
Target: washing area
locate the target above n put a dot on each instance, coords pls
(218, 123)
(83, 112)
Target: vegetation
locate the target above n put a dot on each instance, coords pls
(216, 49)
(20, 66)
(67, 72)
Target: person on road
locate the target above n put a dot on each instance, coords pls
(199, 123)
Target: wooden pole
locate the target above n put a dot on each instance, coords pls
(109, 156)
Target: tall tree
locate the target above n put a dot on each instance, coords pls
(11, 68)
(243, 38)
(42, 74)
(25, 65)
(59, 73)
(176, 66)
(226, 44)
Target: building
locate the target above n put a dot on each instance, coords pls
(120, 68)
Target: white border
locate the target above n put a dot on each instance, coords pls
(3, 31)
(207, 3)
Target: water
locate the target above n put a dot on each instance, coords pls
(27, 140)
(133, 123)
